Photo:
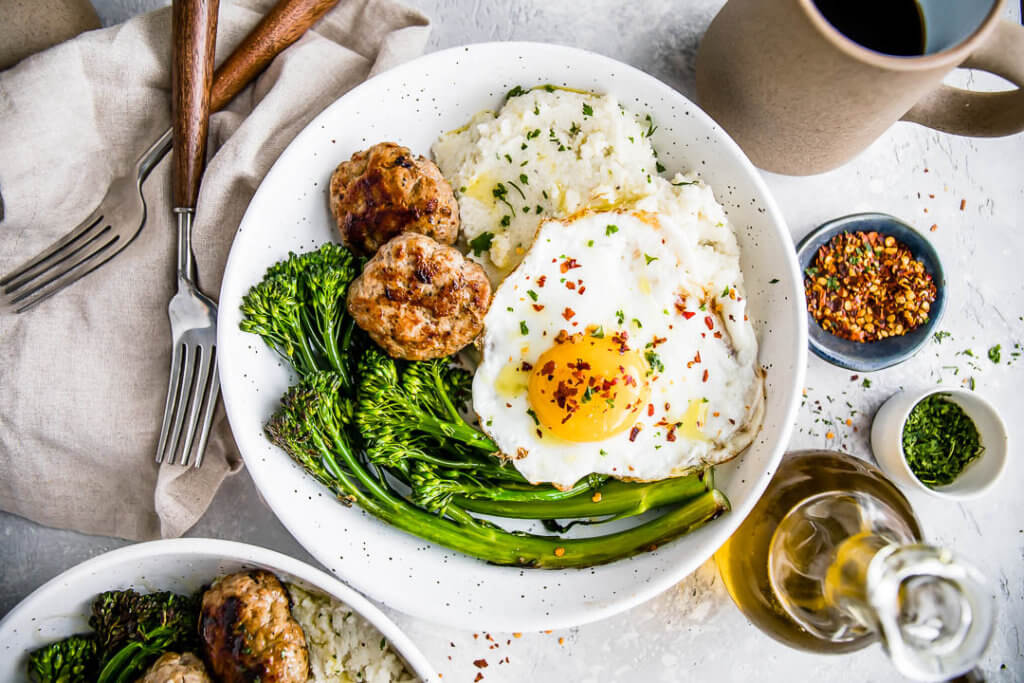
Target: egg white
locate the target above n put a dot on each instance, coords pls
(672, 281)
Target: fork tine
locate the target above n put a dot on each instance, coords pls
(184, 392)
(84, 263)
(196, 403)
(84, 227)
(172, 394)
(211, 406)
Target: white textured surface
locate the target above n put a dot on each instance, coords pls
(693, 630)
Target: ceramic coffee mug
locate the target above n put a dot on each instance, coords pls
(800, 97)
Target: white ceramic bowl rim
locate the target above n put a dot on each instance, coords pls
(240, 552)
(950, 491)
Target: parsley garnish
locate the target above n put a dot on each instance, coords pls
(598, 333)
(649, 258)
(517, 189)
(654, 361)
(939, 440)
(516, 92)
(659, 166)
(574, 129)
(533, 294)
(529, 411)
(533, 133)
(587, 110)
(523, 329)
(994, 353)
(481, 243)
(620, 315)
(638, 324)
(524, 179)
(506, 220)
(611, 230)
(590, 243)
(500, 193)
(685, 182)
(940, 335)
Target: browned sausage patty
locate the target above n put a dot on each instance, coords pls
(175, 668)
(384, 191)
(419, 299)
(248, 632)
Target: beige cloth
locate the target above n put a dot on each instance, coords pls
(83, 376)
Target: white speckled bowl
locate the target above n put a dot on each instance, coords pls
(60, 607)
(412, 104)
(977, 478)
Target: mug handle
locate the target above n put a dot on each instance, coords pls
(981, 114)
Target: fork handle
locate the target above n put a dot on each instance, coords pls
(194, 32)
(280, 27)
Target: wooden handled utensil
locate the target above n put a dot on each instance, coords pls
(119, 217)
(193, 385)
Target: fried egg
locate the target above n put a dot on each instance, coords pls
(620, 345)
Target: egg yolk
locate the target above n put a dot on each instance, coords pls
(587, 388)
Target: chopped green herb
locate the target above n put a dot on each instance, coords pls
(725, 292)
(524, 179)
(939, 440)
(481, 243)
(611, 229)
(638, 324)
(654, 362)
(603, 452)
(773, 281)
(536, 110)
(685, 182)
(650, 127)
(538, 209)
(574, 130)
(533, 133)
(832, 283)
(536, 421)
(506, 220)
(649, 258)
(508, 158)
(590, 243)
(994, 353)
(533, 294)
(598, 333)
(866, 383)
(587, 110)
(517, 189)
(811, 272)
(516, 92)
(500, 193)
(620, 315)
(940, 335)
(659, 166)
(523, 329)
(588, 393)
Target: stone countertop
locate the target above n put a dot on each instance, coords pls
(693, 629)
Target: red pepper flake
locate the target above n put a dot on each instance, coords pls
(671, 436)
(479, 677)
(963, 204)
(581, 290)
(629, 380)
(657, 341)
(568, 264)
(570, 285)
(548, 368)
(709, 322)
(688, 314)
(650, 410)
(538, 307)
(526, 367)
(717, 334)
(480, 663)
(935, 226)
(568, 313)
(705, 377)
(562, 337)
(633, 432)
(561, 641)
(541, 280)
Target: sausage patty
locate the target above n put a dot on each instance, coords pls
(384, 191)
(248, 632)
(175, 668)
(419, 299)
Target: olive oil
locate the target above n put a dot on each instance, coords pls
(826, 491)
(830, 560)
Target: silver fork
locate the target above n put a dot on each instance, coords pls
(109, 228)
(119, 217)
(193, 385)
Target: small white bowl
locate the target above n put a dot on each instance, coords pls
(977, 477)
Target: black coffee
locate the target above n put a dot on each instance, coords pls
(894, 27)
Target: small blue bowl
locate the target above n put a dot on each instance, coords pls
(871, 356)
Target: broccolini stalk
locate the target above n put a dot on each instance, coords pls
(299, 309)
(614, 497)
(311, 427)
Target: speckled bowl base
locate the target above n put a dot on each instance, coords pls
(412, 104)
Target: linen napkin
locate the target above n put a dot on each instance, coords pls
(83, 376)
